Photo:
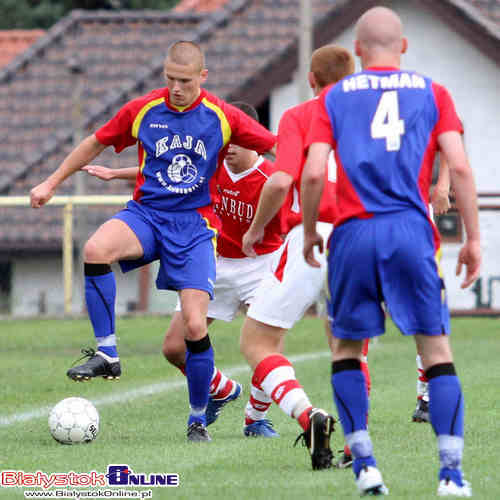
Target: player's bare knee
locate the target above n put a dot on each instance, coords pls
(95, 253)
(195, 328)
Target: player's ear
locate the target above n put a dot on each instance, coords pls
(357, 48)
(203, 75)
(404, 45)
(312, 80)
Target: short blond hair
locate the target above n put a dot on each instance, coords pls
(186, 53)
(331, 63)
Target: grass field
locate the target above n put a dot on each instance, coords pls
(143, 416)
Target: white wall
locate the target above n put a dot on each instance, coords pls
(474, 82)
(37, 280)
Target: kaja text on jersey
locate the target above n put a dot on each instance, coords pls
(175, 142)
(399, 80)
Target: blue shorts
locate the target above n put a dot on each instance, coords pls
(183, 242)
(392, 259)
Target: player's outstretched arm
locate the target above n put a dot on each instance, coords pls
(84, 153)
(441, 194)
(272, 197)
(311, 189)
(464, 186)
(108, 174)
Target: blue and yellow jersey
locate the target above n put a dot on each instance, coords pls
(180, 150)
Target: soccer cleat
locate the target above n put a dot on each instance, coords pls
(369, 482)
(344, 462)
(215, 406)
(421, 413)
(197, 433)
(98, 365)
(448, 488)
(260, 428)
(317, 439)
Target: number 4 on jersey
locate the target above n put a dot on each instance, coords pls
(386, 123)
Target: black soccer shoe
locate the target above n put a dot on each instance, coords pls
(96, 366)
(344, 462)
(421, 413)
(197, 433)
(317, 439)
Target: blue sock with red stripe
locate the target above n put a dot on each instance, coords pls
(100, 294)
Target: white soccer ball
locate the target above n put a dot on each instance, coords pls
(73, 421)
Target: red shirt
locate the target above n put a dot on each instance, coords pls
(238, 196)
(290, 158)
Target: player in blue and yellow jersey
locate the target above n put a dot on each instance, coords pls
(182, 133)
(385, 126)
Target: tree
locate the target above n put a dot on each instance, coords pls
(42, 14)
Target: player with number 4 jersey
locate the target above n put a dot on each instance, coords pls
(385, 125)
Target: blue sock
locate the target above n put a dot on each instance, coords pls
(100, 294)
(199, 370)
(446, 409)
(351, 399)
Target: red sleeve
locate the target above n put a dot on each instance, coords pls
(118, 131)
(448, 119)
(246, 132)
(321, 129)
(290, 149)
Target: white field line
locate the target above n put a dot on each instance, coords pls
(147, 390)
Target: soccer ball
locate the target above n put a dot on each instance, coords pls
(73, 421)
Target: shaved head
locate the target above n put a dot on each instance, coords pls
(379, 33)
(186, 53)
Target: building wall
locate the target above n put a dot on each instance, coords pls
(473, 80)
(37, 288)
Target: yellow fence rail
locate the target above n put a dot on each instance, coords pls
(67, 202)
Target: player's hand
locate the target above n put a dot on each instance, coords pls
(440, 201)
(311, 241)
(470, 256)
(250, 238)
(103, 173)
(41, 194)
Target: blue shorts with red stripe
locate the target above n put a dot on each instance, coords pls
(391, 259)
(184, 242)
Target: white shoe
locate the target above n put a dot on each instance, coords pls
(447, 488)
(370, 482)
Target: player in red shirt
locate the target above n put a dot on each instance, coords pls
(292, 286)
(182, 132)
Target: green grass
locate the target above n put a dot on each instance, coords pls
(148, 432)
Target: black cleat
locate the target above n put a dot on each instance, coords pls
(197, 433)
(344, 462)
(96, 366)
(317, 439)
(421, 413)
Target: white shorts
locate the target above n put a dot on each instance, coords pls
(292, 286)
(236, 283)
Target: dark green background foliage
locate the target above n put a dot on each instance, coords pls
(30, 14)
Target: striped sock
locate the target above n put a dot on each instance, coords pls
(276, 376)
(257, 405)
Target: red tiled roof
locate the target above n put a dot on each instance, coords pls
(13, 42)
(199, 5)
(250, 48)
